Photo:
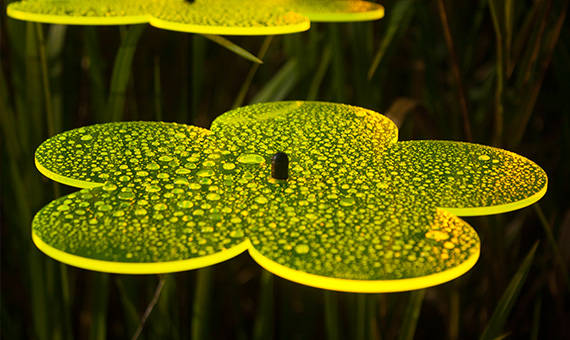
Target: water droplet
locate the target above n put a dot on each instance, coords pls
(109, 187)
(119, 213)
(165, 158)
(484, 158)
(250, 158)
(63, 207)
(126, 195)
(142, 173)
(163, 175)
(229, 166)
(86, 137)
(261, 200)
(205, 173)
(153, 188)
(181, 181)
(185, 204)
(160, 206)
(437, 235)
(236, 234)
(182, 171)
(153, 166)
(302, 249)
(347, 202)
(213, 196)
(124, 178)
(140, 212)
(80, 212)
(105, 207)
(209, 164)
(449, 245)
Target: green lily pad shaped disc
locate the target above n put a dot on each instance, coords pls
(358, 212)
(227, 17)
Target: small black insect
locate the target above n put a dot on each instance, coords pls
(280, 166)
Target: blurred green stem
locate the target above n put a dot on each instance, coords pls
(100, 289)
(412, 315)
(263, 327)
(249, 78)
(201, 308)
(498, 133)
(331, 314)
(122, 72)
(553, 244)
(150, 306)
(455, 70)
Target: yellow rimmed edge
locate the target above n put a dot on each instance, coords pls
(76, 20)
(498, 209)
(137, 267)
(346, 17)
(363, 286)
(223, 30)
(66, 180)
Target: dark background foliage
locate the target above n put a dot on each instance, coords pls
(491, 71)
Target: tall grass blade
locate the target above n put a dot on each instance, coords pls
(411, 315)
(97, 86)
(100, 302)
(263, 327)
(320, 73)
(202, 301)
(331, 315)
(495, 325)
(248, 79)
(455, 70)
(553, 244)
(150, 307)
(279, 85)
(55, 43)
(399, 19)
(495, 6)
(338, 79)
(157, 89)
(122, 72)
(233, 47)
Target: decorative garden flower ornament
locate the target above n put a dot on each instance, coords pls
(225, 17)
(321, 194)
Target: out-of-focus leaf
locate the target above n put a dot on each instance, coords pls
(233, 47)
(399, 19)
(509, 298)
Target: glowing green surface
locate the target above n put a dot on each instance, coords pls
(230, 17)
(359, 211)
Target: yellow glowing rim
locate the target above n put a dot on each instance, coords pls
(229, 30)
(364, 286)
(66, 180)
(77, 20)
(343, 17)
(497, 209)
(356, 286)
(138, 267)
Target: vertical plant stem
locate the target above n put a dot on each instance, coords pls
(100, 302)
(157, 89)
(150, 306)
(263, 327)
(454, 314)
(201, 308)
(455, 70)
(361, 316)
(500, 74)
(412, 315)
(331, 315)
(247, 82)
(530, 101)
(45, 79)
(122, 72)
(553, 244)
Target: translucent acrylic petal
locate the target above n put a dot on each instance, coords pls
(224, 17)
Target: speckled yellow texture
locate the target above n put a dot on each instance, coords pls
(229, 17)
(359, 211)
